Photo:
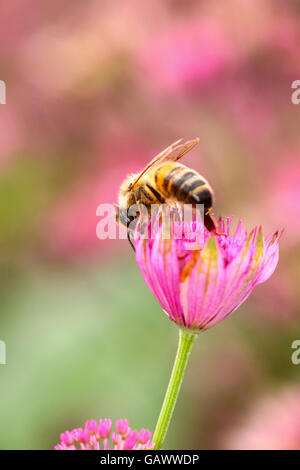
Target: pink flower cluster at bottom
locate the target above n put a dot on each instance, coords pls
(95, 436)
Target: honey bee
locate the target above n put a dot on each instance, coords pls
(164, 180)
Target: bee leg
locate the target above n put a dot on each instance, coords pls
(124, 219)
(138, 196)
(141, 193)
(211, 224)
(130, 240)
(130, 230)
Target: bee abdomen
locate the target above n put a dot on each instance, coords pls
(190, 188)
(176, 181)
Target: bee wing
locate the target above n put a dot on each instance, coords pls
(174, 152)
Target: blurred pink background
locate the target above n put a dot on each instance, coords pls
(94, 90)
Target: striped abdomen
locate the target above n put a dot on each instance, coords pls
(176, 181)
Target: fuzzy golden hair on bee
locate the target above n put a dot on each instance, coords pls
(127, 184)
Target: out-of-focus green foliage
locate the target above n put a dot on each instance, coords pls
(81, 346)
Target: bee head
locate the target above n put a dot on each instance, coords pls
(126, 195)
(127, 185)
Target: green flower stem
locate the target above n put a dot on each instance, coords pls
(186, 340)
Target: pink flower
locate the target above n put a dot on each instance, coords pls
(273, 424)
(122, 426)
(198, 288)
(95, 435)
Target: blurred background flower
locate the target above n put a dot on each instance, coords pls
(273, 423)
(93, 92)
